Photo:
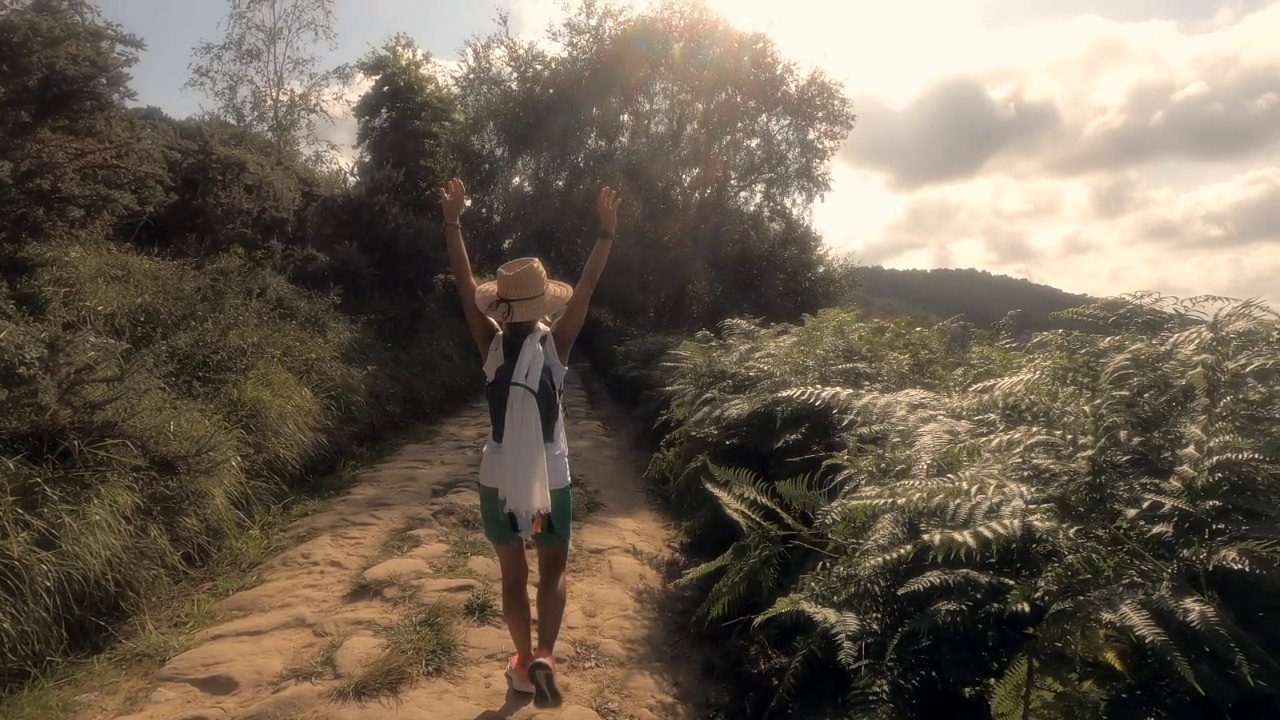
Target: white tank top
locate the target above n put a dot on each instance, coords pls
(557, 449)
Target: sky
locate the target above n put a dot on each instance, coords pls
(1100, 146)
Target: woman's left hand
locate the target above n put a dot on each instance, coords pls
(453, 200)
(607, 208)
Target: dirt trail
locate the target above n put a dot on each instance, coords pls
(407, 534)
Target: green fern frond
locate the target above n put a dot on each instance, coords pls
(885, 561)
(1242, 555)
(1138, 622)
(799, 493)
(843, 628)
(1010, 694)
(823, 396)
(951, 579)
(1209, 624)
(739, 510)
(751, 573)
(967, 542)
(739, 327)
(696, 573)
(748, 488)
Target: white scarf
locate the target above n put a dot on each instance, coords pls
(525, 489)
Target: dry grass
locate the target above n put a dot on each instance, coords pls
(117, 678)
(316, 667)
(482, 608)
(399, 543)
(588, 656)
(423, 642)
(463, 546)
(396, 544)
(394, 587)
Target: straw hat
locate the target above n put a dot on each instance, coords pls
(522, 293)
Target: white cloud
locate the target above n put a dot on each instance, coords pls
(1162, 174)
(1099, 235)
(951, 131)
(1241, 212)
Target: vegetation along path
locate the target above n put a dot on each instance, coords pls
(390, 607)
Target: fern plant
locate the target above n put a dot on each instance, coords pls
(1083, 526)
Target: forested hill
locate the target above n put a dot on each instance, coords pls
(981, 297)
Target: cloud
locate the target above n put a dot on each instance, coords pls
(1082, 96)
(1101, 235)
(1134, 148)
(1235, 113)
(999, 13)
(1115, 195)
(340, 129)
(1242, 211)
(951, 131)
(992, 223)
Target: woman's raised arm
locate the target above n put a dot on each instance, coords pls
(566, 329)
(453, 199)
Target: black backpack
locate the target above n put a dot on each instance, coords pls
(499, 388)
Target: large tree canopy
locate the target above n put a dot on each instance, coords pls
(718, 145)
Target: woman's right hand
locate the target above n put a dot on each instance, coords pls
(453, 198)
(607, 209)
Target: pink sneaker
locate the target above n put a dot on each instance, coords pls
(542, 674)
(519, 676)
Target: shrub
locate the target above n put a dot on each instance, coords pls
(149, 408)
(923, 523)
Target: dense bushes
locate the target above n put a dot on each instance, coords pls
(918, 523)
(180, 345)
(149, 408)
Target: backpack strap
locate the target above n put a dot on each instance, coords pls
(548, 395)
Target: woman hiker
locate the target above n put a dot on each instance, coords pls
(524, 467)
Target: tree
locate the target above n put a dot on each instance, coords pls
(718, 144)
(264, 76)
(69, 159)
(408, 122)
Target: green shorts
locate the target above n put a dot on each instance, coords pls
(498, 524)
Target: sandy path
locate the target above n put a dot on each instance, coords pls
(409, 530)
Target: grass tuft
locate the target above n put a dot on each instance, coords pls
(318, 666)
(423, 642)
(463, 547)
(481, 607)
(399, 543)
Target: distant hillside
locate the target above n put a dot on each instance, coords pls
(981, 297)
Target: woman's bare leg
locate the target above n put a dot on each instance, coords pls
(552, 594)
(515, 597)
